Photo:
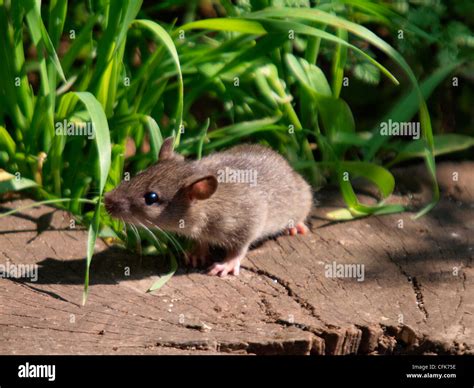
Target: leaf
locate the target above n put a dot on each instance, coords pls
(57, 18)
(262, 47)
(165, 278)
(8, 182)
(202, 136)
(232, 133)
(406, 108)
(6, 142)
(156, 139)
(91, 239)
(228, 24)
(102, 141)
(368, 73)
(388, 16)
(357, 139)
(342, 214)
(339, 61)
(78, 44)
(39, 33)
(336, 116)
(132, 7)
(378, 175)
(102, 134)
(162, 35)
(310, 76)
(443, 144)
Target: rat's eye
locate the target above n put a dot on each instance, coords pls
(151, 198)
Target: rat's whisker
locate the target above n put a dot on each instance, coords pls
(176, 244)
(137, 234)
(173, 242)
(124, 230)
(158, 242)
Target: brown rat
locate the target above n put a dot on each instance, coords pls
(228, 199)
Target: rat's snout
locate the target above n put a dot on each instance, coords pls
(115, 206)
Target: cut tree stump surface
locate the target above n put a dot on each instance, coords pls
(416, 295)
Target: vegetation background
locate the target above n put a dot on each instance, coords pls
(311, 79)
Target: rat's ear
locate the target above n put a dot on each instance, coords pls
(166, 150)
(201, 187)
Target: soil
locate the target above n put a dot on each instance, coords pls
(416, 295)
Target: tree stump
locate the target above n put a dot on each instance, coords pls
(414, 294)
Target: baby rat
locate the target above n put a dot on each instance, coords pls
(228, 199)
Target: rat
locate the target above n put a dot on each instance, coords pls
(229, 199)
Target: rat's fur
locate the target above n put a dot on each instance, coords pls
(234, 215)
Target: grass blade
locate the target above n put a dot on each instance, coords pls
(162, 35)
(102, 140)
(102, 134)
(39, 33)
(156, 139)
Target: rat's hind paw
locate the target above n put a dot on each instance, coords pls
(195, 260)
(229, 267)
(300, 228)
(199, 256)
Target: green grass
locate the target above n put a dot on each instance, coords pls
(255, 75)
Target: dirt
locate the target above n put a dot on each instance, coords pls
(416, 294)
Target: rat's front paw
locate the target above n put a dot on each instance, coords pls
(228, 267)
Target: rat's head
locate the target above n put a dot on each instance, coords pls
(163, 193)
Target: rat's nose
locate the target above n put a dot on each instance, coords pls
(114, 205)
